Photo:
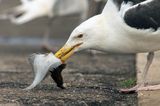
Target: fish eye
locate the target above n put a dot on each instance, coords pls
(80, 36)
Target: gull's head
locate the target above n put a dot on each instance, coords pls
(86, 36)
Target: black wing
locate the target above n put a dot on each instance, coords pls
(144, 15)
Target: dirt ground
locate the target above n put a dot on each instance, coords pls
(92, 81)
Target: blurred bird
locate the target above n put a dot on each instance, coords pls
(32, 9)
(124, 26)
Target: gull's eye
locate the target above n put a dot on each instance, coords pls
(80, 36)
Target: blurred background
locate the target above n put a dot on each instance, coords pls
(30, 34)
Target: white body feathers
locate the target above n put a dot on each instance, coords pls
(125, 39)
(108, 32)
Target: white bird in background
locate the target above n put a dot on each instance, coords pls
(32, 9)
(122, 27)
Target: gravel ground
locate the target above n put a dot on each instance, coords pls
(92, 81)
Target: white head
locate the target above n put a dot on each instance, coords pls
(85, 36)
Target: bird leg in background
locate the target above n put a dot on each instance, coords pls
(138, 87)
(151, 87)
(46, 46)
(57, 76)
(150, 57)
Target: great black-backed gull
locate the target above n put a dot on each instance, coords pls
(124, 26)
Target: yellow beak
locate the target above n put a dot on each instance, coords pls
(65, 52)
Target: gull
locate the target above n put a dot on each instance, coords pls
(124, 26)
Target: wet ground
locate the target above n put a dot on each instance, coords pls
(90, 81)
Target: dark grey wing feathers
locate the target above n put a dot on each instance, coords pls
(144, 16)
